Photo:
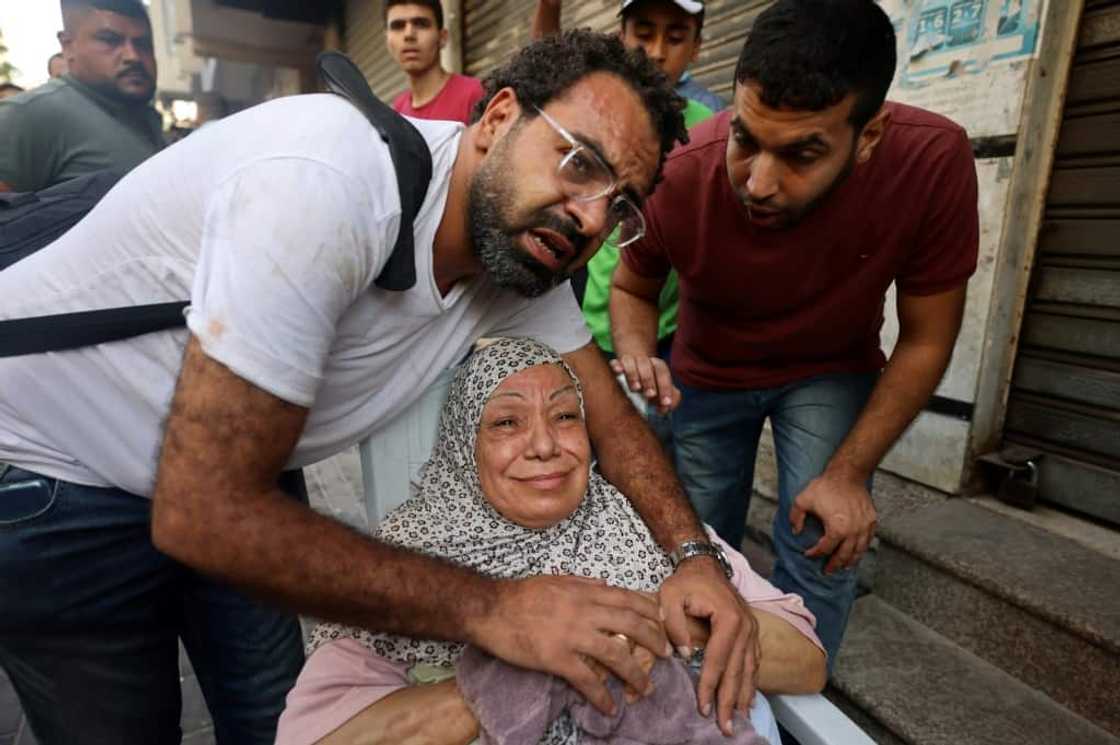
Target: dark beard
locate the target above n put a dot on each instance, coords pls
(110, 90)
(493, 235)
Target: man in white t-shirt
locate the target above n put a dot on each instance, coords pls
(274, 223)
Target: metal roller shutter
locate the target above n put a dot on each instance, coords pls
(492, 31)
(365, 44)
(1065, 394)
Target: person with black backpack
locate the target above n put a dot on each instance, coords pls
(139, 491)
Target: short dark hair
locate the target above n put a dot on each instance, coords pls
(8, 85)
(547, 68)
(809, 54)
(130, 8)
(625, 14)
(432, 5)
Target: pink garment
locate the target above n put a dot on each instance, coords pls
(343, 677)
(454, 101)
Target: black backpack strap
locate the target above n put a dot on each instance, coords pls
(412, 161)
(61, 331)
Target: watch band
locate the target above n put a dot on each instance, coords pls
(689, 549)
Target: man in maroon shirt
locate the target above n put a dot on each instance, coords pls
(414, 34)
(787, 218)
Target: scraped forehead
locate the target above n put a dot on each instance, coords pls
(605, 109)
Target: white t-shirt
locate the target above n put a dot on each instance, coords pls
(274, 223)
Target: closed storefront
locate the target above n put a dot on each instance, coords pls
(365, 44)
(1065, 394)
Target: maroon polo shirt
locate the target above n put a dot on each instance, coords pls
(761, 308)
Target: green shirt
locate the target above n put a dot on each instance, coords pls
(65, 129)
(602, 264)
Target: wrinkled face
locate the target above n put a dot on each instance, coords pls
(532, 451)
(528, 233)
(413, 37)
(783, 162)
(112, 53)
(669, 36)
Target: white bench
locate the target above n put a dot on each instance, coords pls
(391, 460)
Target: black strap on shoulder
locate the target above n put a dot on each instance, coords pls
(412, 162)
(61, 331)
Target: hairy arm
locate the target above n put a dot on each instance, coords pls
(216, 508)
(417, 715)
(928, 327)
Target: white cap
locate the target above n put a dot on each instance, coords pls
(692, 7)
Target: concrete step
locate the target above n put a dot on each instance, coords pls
(1035, 604)
(926, 690)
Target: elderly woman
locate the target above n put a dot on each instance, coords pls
(511, 491)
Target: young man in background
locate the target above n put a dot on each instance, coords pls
(414, 34)
(668, 31)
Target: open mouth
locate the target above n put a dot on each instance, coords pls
(550, 248)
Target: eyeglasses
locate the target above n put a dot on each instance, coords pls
(586, 178)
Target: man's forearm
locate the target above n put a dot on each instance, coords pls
(314, 565)
(907, 382)
(633, 323)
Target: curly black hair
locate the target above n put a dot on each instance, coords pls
(547, 68)
(809, 54)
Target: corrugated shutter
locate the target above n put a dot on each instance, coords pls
(492, 29)
(365, 44)
(726, 23)
(1065, 395)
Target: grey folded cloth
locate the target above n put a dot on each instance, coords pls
(515, 706)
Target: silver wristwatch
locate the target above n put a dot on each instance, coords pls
(688, 549)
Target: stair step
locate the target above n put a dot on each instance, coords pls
(1039, 606)
(928, 691)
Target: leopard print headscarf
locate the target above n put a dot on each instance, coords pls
(450, 517)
